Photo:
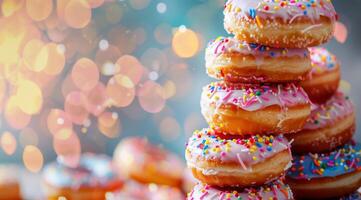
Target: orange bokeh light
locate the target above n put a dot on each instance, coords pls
(85, 74)
(35, 56)
(29, 97)
(8, 143)
(120, 90)
(185, 43)
(56, 59)
(109, 124)
(33, 158)
(14, 116)
(68, 148)
(39, 10)
(151, 97)
(77, 13)
(96, 99)
(130, 67)
(58, 120)
(74, 107)
(9, 7)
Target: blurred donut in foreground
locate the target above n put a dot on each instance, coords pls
(91, 179)
(140, 160)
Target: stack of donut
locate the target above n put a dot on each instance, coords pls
(327, 163)
(261, 104)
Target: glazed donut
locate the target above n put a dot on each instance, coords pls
(9, 183)
(146, 163)
(329, 126)
(215, 159)
(92, 179)
(242, 109)
(236, 61)
(286, 23)
(136, 191)
(324, 77)
(330, 175)
(275, 190)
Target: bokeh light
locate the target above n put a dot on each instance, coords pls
(130, 67)
(29, 97)
(340, 32)
(120, 90)
(39, 10)
(109, 124)
(75, 107)
(57, 121)
(8, 143)
(151, 97)
(55, 59)
(14, 116)
(96, 99)
(9, 7)
(85, 74)
(68, 148)
(33, 158)
(77, 13)
(35, 55)
(185, 43)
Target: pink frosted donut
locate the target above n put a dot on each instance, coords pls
(221, 160)
(243, 109)
(275, 190)
(140, 160)
(330, 125)
(90, 180)
(324, 78)
(237, 61)
(286, 23)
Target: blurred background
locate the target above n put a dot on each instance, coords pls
(79, 75)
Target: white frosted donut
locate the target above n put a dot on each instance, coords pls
(217, 159)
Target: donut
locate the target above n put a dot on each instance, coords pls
(136, 191)
(188, 181)
(91, 179)
(286, 23)
(237, 61)
(324, 78)
(218, 160)
(328, 175)
(275, 190)
(140, 160)
(330, 125)
(243, 109)
(9, 182)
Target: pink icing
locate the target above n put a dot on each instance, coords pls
(253, 97)
(338, 107)
(275, 190)
(322, 60)
(231, 45)
(288, 10)
(247, 152)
